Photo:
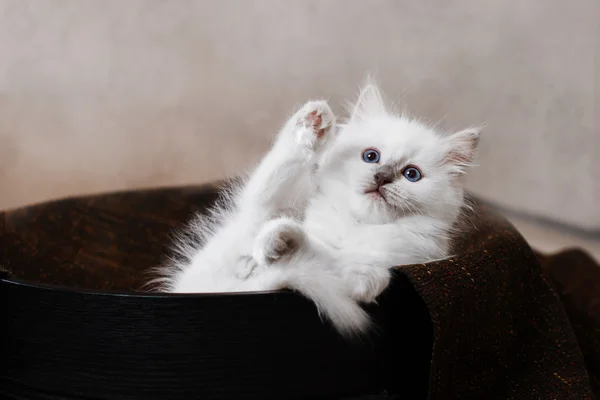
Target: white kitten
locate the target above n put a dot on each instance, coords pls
(329, 214)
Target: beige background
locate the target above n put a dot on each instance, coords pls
(100, 95)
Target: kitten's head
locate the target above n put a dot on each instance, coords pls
(385, 166)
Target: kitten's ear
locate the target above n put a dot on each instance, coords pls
(461, 149)
(369, 103)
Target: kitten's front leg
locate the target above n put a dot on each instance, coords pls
(282, 183)
(282, 180)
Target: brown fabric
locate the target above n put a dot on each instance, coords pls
(501, 331)
(576, 277)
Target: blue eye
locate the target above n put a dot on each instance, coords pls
(371, 156)
(412, 174)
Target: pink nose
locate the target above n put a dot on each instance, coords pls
(382, 178)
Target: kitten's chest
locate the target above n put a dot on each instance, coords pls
(329, 232)
(337, 235)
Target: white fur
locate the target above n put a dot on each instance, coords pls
(303, 220)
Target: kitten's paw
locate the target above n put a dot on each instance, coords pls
(245, 266)
(277, 238)
(315, 123)
(367, 282)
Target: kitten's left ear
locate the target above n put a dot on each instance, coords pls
(461, 148)
(370, 102)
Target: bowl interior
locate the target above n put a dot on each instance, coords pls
(105, 242)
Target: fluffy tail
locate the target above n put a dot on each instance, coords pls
(332, 300)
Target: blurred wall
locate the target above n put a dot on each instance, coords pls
(113, 94)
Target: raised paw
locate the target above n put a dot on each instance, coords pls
(315, 123)
(366, 282)
(277, 239)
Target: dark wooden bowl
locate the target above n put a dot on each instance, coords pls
(75, 324)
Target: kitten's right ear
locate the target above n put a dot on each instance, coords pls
(369, 103)
(461, 149)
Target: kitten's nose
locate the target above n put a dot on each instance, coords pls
(381, 178)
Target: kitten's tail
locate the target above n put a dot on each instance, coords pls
(332, 300)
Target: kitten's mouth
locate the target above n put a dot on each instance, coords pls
(375, 193)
